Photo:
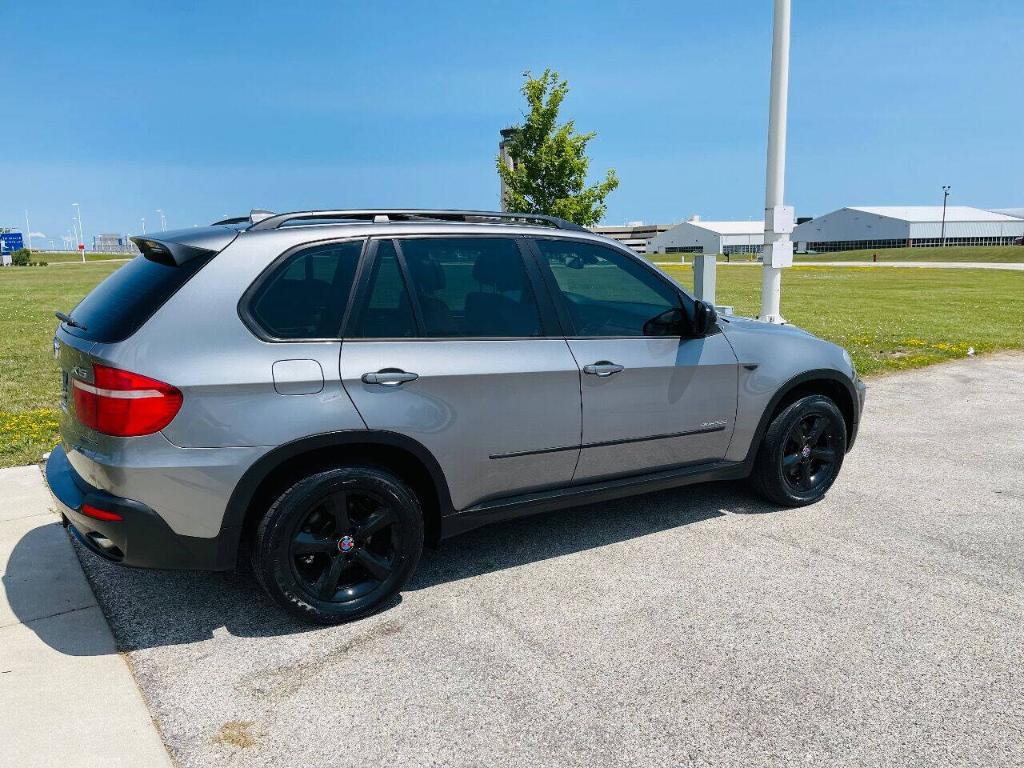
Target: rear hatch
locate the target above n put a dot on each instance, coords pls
(92, 333)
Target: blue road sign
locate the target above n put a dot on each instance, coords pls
(10, 242)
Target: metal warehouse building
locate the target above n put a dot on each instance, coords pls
(904, 227)
(696, 236)
(635, 234)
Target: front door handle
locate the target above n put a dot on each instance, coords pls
(389, 377)
(602, 368)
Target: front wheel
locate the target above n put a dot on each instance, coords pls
(339, 544)
(801, 453)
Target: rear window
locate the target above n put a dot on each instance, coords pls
(122, 303)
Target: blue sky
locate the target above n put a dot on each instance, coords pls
(205, 109)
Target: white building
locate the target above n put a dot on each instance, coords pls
(634, 234)
(905, 226)
(697, 236)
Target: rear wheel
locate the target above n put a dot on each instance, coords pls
(339, 544)
(801, 453)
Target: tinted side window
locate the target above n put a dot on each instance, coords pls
(604, 292)
(388, 311)
(471, 287)
(120, 305)
(305, 298)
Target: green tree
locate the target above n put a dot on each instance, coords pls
(549, 161)
(21, 257)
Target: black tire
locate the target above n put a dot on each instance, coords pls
(801, 453)
(358, 527)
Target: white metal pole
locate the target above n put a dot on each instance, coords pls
(81, 230)
(143, 225)
(775, 177)
(28, 230)
(163, 220)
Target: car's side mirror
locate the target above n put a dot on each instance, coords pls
(671, 322)
(705, 318)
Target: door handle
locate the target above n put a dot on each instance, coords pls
(389, 377)
(602, 368)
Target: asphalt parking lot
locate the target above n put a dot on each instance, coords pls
(883, 626)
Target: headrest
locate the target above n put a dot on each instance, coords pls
(503, 271)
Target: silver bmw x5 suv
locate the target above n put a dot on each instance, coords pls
(330, 390)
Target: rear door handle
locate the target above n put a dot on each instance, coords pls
(389, 377)
(602, 368)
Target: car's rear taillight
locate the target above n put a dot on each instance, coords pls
(100, 514)
(124, 404)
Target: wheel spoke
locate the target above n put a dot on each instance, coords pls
(790, 461)
(327, 584)
(824, 455)
(337, 506)
(805, 474)
(377, 522)
(306, 543)
(375, 565)
(817, 428)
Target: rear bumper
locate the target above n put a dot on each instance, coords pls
(141, 538)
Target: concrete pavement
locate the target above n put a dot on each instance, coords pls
(67, 698)
(882, 626)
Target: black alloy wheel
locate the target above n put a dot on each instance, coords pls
(809, 454)
(801, 453)
(345, 547)
(339, 544)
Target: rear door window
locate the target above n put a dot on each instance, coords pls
(122, 303)
(388, 312)
(306, 296)
(471, 287)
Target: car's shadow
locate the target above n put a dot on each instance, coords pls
(156, 608)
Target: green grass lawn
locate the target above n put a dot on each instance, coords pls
(995, 253)
(29, 383)
(888, 319)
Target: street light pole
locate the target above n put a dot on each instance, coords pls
(945, 197)
(778, 249)
(81, 231)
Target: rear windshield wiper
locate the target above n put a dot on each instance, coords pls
(65, 318)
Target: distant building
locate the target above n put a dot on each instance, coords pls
(708, 237)
(635, 234)
(905, 226)
(111, 243)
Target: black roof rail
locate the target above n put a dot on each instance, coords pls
(386, 215)
(255, 216)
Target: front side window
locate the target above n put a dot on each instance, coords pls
(605, 293)
(470, 287)
(305, 298)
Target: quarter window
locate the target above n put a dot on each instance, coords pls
(605, 293)
(306, 297)
(471, 287)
